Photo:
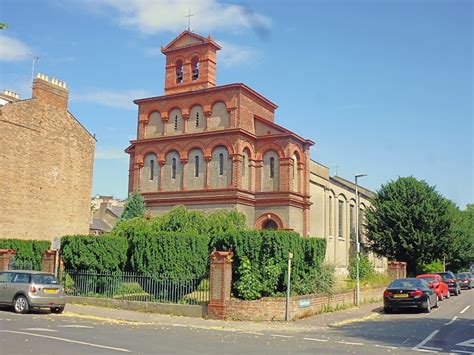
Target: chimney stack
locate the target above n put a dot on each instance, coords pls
(52, 92)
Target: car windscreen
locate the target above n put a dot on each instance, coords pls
(428, 278)
(462, 276)
(446, 276)
(44, 279)
(406, 283)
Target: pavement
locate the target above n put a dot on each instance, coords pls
(317, 322)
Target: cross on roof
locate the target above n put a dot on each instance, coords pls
(189, 20)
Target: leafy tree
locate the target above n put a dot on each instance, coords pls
(3, 26)
(409, 221)
(462, 238)
(134, 207)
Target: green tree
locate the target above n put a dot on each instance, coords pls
(409, 221)
(462, 238)
(3, 26)
(134, 207)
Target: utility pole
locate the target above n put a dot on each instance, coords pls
(357, 240)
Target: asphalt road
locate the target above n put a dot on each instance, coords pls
(448, 329)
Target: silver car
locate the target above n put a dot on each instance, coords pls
(24, 290)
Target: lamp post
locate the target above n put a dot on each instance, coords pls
(357, 240)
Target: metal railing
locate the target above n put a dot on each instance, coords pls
(16, 264)
(133, 286)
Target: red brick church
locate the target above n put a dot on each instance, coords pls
(209, 146)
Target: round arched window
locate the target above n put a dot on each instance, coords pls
(270, 224)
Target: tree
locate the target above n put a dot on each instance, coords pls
(409, 221)
(134, 207)
(462, 238)
(3, 26)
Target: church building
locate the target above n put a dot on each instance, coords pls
(208, 146)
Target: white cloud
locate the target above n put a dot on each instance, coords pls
(118, 99)
(12, 49)
(153, 16)
(234, 54)
(109, 154)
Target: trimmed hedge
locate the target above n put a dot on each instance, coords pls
(104, 253)
(27, 251)
(267, 251)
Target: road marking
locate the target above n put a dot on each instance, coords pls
(253, 333)
(427, 339)
(385, 346)
(426, 350)
(465, 309)
(75, 326)
(314, 339)
(431, 348)
(41, 329)
(67, 340)
(469, 343)
(348, 343)
(281, 336)
(451, 321)
(461, 352)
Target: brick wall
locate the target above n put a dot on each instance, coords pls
(273, 308)
(46, 160)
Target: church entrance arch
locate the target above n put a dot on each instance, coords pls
(269, 224)
(269, 221)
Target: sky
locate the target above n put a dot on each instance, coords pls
(384, 87)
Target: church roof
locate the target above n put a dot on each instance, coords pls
(188, 38)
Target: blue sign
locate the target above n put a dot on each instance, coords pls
(305, 303)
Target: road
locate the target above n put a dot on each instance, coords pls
(448, 329)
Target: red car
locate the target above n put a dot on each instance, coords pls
(436, 283)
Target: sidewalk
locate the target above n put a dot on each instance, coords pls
(325, 320)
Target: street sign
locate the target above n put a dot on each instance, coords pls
(56, 243)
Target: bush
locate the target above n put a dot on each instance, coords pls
(366, 268)
(104, 253)
(267, 252)
(430, 268)
(27, 251)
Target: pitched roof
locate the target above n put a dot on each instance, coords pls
(99, 224)
(115, 210)
(192, 38)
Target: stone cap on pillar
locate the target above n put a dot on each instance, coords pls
(7, 251)
(222, 256)
(49, 252)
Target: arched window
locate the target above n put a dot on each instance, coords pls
(179, 72)
(196, 166)
(173, 169)
(176, 122)
(197, 119)
(270, 224)
(221, 164)
(152, 169)
(272, 167)
(195, 68)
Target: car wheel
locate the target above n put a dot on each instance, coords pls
(428, 306)
(387, 310)
(20, 304)
(57, 310)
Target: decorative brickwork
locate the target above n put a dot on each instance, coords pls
(220, 278)
(5, 257)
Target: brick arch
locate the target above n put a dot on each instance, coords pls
(250, 147)
(150, 111)
(296, 150)
(194, 103)
(194, 145)
(148, 150)
(215, 99)
(174, 147)
(172, 108)
(270, 146)
(217, 142)
(267, 216)
(192, 55)
(178, 57)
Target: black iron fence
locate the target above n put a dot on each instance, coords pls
(133, 286)
(17, 264)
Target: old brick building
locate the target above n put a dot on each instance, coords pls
(46, 159)
(212, 147)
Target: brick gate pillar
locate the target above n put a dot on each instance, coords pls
(220, 277)
(5, 256)
(47, 261)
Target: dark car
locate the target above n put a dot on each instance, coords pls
(450, 280)
(465, 279)
(409, 293)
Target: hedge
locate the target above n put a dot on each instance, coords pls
(27, 251)
(104, 253)
(267, 251)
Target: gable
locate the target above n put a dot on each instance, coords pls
(262, 128)
(185, 41)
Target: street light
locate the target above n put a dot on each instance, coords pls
(357, 239)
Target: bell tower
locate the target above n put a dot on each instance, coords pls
(190, 63)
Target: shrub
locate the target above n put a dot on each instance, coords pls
(366, 268)
(435, 266)
(105, 253)
(248, 286)
(27, 251)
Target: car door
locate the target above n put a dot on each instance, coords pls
(6, 287)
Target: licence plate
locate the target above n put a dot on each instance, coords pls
(401, 295)
(50, 290)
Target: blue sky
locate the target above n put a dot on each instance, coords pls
(384, 87)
